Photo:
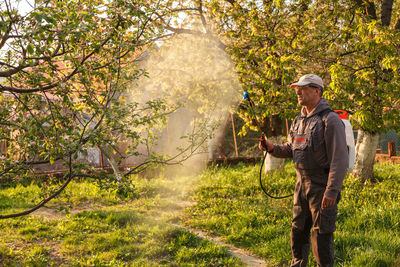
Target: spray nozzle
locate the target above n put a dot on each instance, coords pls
(246, 95)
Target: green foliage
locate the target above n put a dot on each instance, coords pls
(364, 78)
(353, 45)
(351, 42)
(62, 80)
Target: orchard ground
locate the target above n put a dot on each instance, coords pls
(92, 226)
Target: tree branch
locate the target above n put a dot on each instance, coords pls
(6, 35)
(232, 2)
(397, 26)
(55, 84)
(30, 112)
(203, 19)
(6, 123)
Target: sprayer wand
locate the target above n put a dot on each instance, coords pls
(262, 140)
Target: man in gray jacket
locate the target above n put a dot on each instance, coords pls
(317, 144)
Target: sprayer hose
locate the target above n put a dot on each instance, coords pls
(261, 184)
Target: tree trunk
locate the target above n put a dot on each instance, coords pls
(113, 163)
(215, 144)
(365, 155)
(272, 163)
(386, 13)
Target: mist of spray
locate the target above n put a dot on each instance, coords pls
(194, 74)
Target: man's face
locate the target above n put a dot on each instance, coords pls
(306, 95)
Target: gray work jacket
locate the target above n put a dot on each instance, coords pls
(325, 142)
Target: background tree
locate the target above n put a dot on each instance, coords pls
(360, 41)
(64, 70)
(207, 85)
(263, 42)
(254, 35)
(353, 45)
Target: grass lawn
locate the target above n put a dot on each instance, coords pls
(231, 204)
(93, 226)
(103, 229)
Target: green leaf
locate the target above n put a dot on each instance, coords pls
(29, 48)
(38, 17)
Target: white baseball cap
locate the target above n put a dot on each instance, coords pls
(309, 79)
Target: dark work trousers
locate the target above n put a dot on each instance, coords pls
(308, 216)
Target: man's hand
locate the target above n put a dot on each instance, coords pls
(327, 202)
(269, 145)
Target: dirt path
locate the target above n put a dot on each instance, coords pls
(245, 256)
